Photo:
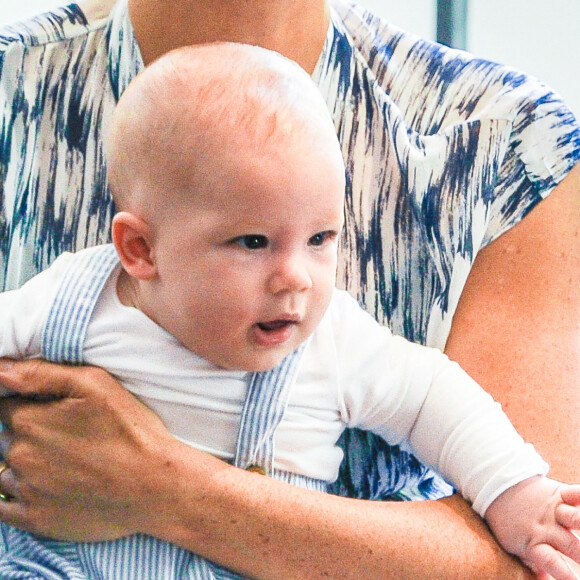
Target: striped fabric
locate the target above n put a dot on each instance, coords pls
(138, 557)
(66, 327)
(263, 410)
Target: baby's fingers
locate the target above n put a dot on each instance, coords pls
(567, 543)
(568, 513)
(552, 555)
(570, 494)
(568, 516)
(550, 563)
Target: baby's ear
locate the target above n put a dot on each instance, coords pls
(132, 239)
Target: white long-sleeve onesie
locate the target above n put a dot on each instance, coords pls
(353, 373)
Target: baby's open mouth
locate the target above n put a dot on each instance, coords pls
(274, 325)
(272, 333)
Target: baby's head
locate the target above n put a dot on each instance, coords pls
(229, 181)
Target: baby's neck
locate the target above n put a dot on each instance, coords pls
(297, 28)
(127, 291)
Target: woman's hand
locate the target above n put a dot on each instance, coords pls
(75, 445)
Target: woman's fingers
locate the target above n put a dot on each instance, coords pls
(34, 378)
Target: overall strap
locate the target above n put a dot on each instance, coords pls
(75, 299)
(264, 407)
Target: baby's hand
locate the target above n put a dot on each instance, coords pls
(534, 521)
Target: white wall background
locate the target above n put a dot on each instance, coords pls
(418, 16)
(16, 10)
(538, 36)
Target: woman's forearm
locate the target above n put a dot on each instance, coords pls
(96, 464)
(266, 529)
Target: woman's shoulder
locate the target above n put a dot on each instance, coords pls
(39, 51)
(55, 26)
(434, 85)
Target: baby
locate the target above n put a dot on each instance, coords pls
(216, 306)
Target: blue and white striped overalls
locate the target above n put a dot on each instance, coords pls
(138, 557)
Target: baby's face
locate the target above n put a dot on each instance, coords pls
(246, 270)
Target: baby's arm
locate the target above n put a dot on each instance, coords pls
(534, 520)
(457, 428)
(415, 393)
(22, 313)
(476, 447)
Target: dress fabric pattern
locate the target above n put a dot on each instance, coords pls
(444, 153)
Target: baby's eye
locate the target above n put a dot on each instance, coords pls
(321, 237)
(252, 241)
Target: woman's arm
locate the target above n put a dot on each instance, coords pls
(97, 464)
(517, 326)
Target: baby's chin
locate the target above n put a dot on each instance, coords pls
(255, 362)
(261, 350)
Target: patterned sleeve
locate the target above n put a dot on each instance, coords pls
(440, 90)
(41, 136)
(544, 146)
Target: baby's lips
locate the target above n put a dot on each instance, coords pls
(273, 333)
(274, 325)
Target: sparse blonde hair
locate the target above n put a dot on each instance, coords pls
(243, 93)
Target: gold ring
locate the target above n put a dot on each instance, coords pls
(3, 467)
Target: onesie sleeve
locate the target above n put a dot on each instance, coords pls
(23, 311)
(406, 392)
(464, 434)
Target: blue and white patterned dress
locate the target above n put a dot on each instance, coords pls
(444, 153)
